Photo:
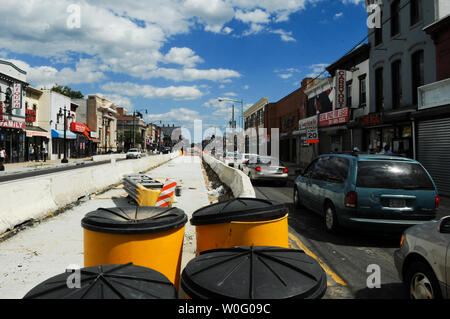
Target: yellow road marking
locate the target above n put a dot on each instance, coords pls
(327, 269)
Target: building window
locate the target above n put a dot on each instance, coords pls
(417, 68)
(379, 90)
(349, 93)
(396, 72)
(416, 11)
(395, 17)
(362, 91)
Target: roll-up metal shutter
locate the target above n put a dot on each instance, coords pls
(434, 151)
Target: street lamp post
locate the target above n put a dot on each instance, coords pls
(242, 108)
(61, 113)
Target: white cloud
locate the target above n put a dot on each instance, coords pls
(151, 92)
(317, 69)
(182, 56)
(285, 75)
(256, 16)
(338, 15)
(190, 74)
(179, 115)
(286, 36)
(213, 13)
(86, 71)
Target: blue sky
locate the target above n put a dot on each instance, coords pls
(176, 57)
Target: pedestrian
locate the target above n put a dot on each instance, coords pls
(387, 150)
(2, 158)
(44, 153)
(31, 152)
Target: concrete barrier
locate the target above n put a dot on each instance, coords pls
(34, 198)
(108, 157)
(239, 183)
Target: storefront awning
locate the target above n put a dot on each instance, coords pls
(81, 129)
(60, 134)
(36, 131)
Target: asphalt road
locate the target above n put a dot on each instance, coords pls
(347, 255)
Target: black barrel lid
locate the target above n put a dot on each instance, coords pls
(107, 282)
(254, 273)
(238, 209)
(134, 220)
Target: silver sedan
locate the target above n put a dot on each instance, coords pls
(265, 168)
(423, 260)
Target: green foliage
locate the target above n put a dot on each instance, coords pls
(67, 91)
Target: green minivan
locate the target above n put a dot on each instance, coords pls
(363, 191)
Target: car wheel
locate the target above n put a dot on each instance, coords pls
(421, 282)
(297, 202)
(331, 221)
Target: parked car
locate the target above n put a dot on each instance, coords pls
(265, 168)
(134, 153)
(423, 260)
(380, 192)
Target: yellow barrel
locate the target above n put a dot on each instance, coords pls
(241, 222)
(150, 237)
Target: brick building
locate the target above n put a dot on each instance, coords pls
(285, 115)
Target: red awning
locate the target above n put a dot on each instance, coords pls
(81, 128)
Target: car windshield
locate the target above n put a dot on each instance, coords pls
(392, 175)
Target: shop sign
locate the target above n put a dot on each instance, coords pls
(93, 134)
(341, 88)
(13, 124)
(30, 115)
(336, 117)
(308, 126)
(17, 96)
(371, 119)
(77, 127)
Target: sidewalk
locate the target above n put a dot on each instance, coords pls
(14, 168)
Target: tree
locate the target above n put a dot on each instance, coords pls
(67, 91)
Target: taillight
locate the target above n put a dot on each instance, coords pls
(351, 200)
(258, 169)
(285, 170)
(436, 202)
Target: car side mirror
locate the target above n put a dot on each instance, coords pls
(444, 225)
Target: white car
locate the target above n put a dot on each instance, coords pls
(242, 158)
(230, 159)
(134, 153)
